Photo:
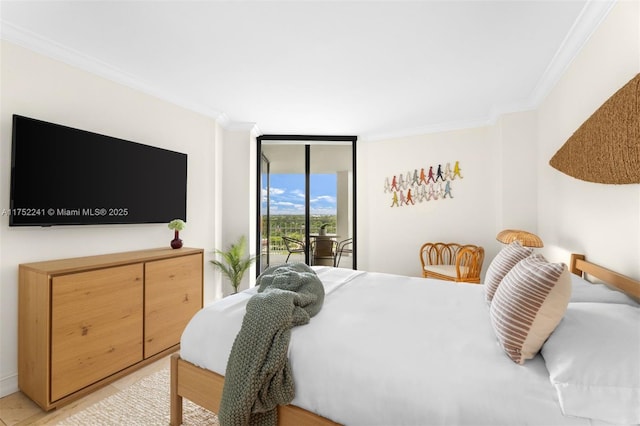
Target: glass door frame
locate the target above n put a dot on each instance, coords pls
(307, 140)
(263, 160)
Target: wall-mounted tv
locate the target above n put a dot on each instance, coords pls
(66, 176)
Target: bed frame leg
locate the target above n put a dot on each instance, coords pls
(176, 400)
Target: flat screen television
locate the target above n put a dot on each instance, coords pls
(66, 176)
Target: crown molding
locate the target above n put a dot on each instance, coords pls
(425, 130)
(223, 120)
(590, 18)
(237, 126)
(593, 13)
(241, 126)
(44, 46)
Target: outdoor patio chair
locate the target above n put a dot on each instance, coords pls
(293, 246)
(344, 246)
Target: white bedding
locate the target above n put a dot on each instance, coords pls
(392, 350)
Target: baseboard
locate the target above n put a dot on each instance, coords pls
(9, 385)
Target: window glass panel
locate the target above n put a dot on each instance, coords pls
(287, 233)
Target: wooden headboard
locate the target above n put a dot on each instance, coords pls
(580, 266)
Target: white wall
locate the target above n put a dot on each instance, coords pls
(39, 87)
(601, 221)
(389, 238)
(237, 196)
(515, 137)
(508, 181)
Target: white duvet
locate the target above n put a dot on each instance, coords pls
(394, 350)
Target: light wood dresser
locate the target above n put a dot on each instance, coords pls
(87, 321)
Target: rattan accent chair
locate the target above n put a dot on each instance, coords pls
(452, 261)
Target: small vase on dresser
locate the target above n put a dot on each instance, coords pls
(176, 243)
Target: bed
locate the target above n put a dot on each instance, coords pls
(389, 350)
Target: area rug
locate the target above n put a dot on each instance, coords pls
(145, 403)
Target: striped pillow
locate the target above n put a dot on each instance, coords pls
(501, 264)
(528, 305)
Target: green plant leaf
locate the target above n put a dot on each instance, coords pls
(233, 265)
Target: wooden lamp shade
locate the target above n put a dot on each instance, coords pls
(525, 238)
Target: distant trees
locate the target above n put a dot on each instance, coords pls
(293, 226)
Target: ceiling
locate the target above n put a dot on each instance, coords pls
(368, 68)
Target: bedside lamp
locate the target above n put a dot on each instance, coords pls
(525, 238)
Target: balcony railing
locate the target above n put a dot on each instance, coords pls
(293, 230)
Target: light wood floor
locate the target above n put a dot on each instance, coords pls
(17, 409)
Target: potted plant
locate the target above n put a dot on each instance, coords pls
(177, 225)
(233, 265)
(323, 229)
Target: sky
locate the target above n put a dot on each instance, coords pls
(287, 194)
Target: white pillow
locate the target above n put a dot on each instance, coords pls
(585, 291)
(593, 358)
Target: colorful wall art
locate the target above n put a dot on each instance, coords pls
(420, 186)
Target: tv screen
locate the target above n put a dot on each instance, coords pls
(66, 176)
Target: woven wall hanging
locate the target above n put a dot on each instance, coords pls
(606, 147)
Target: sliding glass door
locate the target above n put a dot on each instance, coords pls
(307, 204)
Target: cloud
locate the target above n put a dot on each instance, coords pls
(284, 207)
(298, 193)
(276, 191)
(326, 198)
(288, 198)
(286, 204)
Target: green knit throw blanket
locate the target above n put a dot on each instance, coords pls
(258, 376)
